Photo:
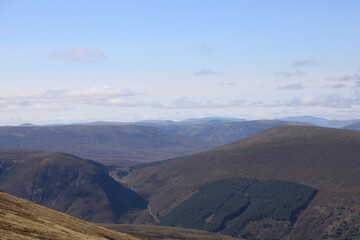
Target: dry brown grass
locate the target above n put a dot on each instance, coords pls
(21, 219)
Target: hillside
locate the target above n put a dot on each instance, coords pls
(238, 206)
(154, 232)
(323, 158)
(222, 132)
(353, 126)
(66, 183)
(116, 145)
(21, 219)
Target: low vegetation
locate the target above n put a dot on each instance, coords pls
(228, 205)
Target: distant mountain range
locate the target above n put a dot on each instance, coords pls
(325, 159)
(131, 144)
(225, 132)
(210, 120)
(112, 145)
(322, 121)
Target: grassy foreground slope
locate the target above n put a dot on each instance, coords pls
(323, 158)
(107, 144)
(21, 219)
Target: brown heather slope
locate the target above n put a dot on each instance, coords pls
(107, 144)
(21, 219)
(167, 233)
(324, 158)
(66, 183)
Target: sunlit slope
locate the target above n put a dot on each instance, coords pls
(323, 158)
(21, 219)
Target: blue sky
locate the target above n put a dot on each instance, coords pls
(78, 61)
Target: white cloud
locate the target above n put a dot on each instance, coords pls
(295, 86)
(81, 55)
(336, 86)
(186, 103)
(345, 81)
(207, 72)
(61, 99)
(285, 74)
(329, 101)
(202, 48)
(346, 78)
(333, 101)
(229, 84)
(303, 63)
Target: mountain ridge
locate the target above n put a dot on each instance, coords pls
(66, 183)
(108, 144)
(323, 158)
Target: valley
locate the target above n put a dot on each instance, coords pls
(279, 180)
(326, 159)
(179, 120)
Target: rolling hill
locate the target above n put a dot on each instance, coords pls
(353, 126)
(222, 132)
(116, 145)
(66, 183)
(21, 219)
(322, 121)
(325, 159)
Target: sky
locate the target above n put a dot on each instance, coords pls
(64, 61)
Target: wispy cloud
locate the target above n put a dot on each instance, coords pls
(346, 78)
(329, 101)
(345, 81)
(303, 63)
(63, 99)
(202, 48)
(333, 101)
(81, 55)
(336, 86)
(286, 74)
(207, 72)
(184, 102)
(229, 84)
(295, 86)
